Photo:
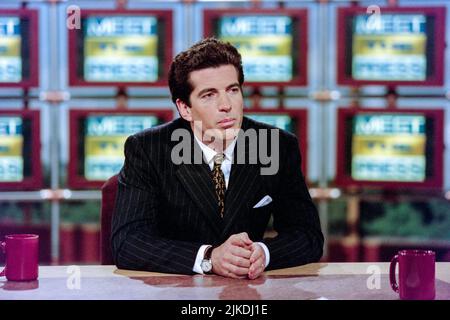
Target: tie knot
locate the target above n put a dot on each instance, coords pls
(218, 159)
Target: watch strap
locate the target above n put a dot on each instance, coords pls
(208, 252)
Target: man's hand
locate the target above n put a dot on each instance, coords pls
(232, 258)
(257, 261)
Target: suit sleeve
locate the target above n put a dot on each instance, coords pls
(300, 239)
(136, 242)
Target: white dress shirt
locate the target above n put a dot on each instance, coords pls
(209, 154)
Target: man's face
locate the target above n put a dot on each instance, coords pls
(216, 103)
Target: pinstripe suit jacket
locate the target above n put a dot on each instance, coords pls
(165, 212)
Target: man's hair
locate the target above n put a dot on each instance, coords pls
(208, 53)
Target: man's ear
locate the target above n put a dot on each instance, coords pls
(184, 110)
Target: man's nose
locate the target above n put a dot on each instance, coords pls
(224, 103)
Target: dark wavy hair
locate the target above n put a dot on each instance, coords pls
(208, 53)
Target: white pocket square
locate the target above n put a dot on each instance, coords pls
(263, 202)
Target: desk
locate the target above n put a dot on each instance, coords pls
(313, 281)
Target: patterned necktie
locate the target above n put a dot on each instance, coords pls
(219, 182)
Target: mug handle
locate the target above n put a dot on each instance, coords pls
(3, 247)
(392, 278)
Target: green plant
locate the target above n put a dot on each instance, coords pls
(439, 227)
(10, 212)
(406, 220)
(337, 217)
(24, 212)
(81, 212)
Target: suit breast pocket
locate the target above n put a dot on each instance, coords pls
(259, 221)
(262, 211)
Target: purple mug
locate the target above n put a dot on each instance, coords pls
(22, 252)
(416, 276)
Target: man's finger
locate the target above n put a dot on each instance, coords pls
(255, 266)
(256, 269)
(241, 239)
(257, 253)
(240, 262)
(235, 270)
(240, 242)
(246, 238)
(241, 252)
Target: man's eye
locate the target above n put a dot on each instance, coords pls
(235, 89)
(208, 95)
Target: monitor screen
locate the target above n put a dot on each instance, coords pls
(19, 150)
(120, 49)
(10, 49)
(392, 49)
(127, 48)
(265, 44)
(104, 139)
(272, 44)
(398, 46)
(12, 151)
(99, 142)
(397, 148)
(18, 48)
(389, 147)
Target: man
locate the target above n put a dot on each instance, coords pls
(210, 216)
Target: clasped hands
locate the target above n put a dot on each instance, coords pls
(239, 257)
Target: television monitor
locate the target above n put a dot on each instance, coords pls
(19, 48)
(121, 48)
(390, 148)
(401, 46)
(20, 147)
(294, 121)
(97, 139)
(273, 43)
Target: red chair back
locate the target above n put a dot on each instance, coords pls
(109, 191)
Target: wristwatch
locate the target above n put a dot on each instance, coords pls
(206, 263)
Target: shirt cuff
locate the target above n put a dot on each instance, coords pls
(266, 251)
(198, 260)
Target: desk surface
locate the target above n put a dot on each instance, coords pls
(313, 281)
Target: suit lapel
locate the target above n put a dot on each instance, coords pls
(198, 184)
(244, 181)
(197, 181)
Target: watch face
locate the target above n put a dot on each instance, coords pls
(206, 265)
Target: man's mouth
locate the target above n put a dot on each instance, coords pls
(226, 123)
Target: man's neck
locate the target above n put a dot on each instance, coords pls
(218, 146)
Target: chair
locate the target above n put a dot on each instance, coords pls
(109, 191)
